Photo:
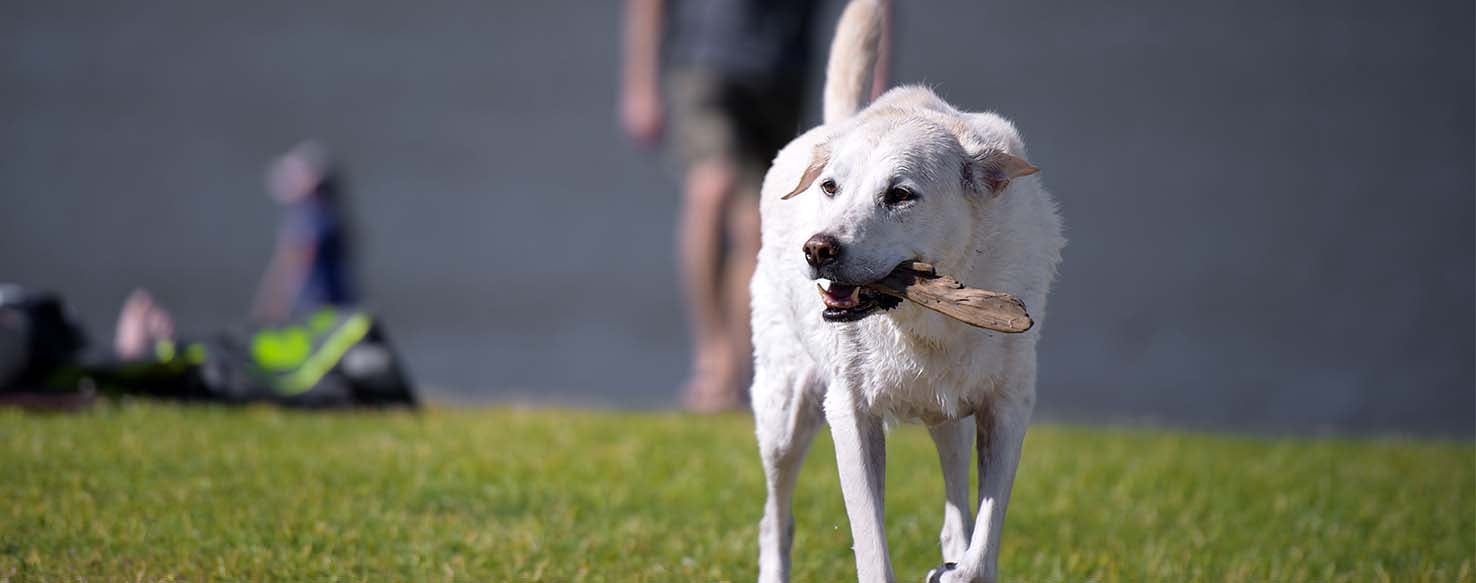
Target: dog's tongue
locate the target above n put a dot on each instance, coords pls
(840, 296)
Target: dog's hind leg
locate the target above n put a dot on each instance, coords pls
(786, 410)
(954, 440)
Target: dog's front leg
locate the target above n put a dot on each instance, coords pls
(1000, 433)
(861, 455)
(953, 440)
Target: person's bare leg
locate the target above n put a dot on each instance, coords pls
(743, 248)
(129, 337)
(141, 322)
(709, 185)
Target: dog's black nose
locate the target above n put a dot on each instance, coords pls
(822, 249)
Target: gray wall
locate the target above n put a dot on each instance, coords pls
(1270, 204)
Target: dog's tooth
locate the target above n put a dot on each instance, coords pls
(856, 293)
(820, 287)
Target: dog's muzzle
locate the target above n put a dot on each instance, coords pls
(849, 303)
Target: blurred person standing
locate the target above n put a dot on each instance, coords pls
(310, 267)
(735, 82)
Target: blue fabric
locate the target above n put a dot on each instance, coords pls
(762, 39)
(315, 223)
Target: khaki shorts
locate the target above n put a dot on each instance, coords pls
(742, 121)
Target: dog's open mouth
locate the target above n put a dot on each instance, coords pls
(849, 303)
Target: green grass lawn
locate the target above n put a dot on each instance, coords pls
(155, 492)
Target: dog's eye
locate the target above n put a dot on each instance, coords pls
(828, 187)
(897, 195)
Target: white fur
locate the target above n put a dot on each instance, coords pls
(906, 364)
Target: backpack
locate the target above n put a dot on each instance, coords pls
(39, 340)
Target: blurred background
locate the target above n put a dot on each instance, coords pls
(1270, 205)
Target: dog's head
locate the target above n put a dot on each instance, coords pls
(896, 184)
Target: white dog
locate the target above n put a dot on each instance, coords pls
(908, 177)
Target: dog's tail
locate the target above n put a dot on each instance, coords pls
(852, 59)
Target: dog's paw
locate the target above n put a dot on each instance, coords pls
(935, 575)
(950, 573)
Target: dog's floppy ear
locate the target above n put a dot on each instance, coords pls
(995, 169)
(818, 160)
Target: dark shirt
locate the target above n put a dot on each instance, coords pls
(741, 38)
(316, 223)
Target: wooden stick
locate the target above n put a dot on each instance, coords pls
(918, 282)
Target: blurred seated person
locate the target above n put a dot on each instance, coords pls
(313, 351)
(310, 266)
(311, 348)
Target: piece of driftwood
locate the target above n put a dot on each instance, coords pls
(918, 282)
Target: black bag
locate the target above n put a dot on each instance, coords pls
(39, 340)
(332, 358)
